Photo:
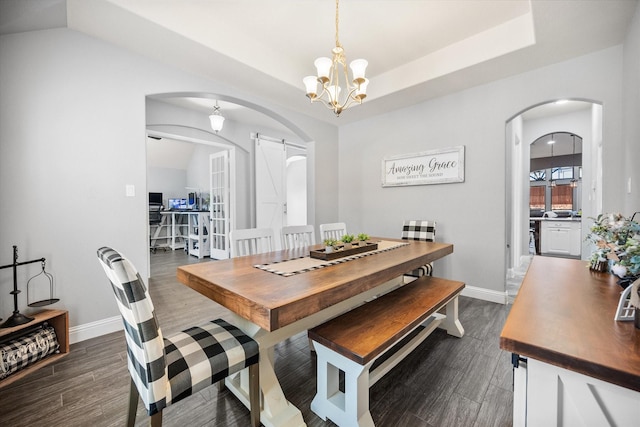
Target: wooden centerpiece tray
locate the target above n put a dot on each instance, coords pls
(356, 248)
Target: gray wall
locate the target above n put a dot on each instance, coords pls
(168, 181)
(72, 135)
(471, 215)
(631, 124)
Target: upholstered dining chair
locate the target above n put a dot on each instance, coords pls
(333, 230)
(420, 230)
(298, 236)
(165, 370)
(251, 241)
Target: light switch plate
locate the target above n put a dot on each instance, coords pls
(130, 190)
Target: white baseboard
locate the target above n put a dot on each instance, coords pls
(95, 329)
(485, 294)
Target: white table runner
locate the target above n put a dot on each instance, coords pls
(295, 266)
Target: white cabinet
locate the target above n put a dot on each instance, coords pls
(560, 237)
(546, 395)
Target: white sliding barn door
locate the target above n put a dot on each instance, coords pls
(222, 202)
(271, 194)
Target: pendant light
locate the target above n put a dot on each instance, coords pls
(217, 121)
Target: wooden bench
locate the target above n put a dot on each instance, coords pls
(352, 342)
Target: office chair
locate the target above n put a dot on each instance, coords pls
(165, 370)
(155, 218)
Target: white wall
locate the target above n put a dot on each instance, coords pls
(471, 215)
(631, 124)
(72, 136)
(168, 181)
(198, 173)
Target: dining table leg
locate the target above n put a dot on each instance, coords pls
(276, 410)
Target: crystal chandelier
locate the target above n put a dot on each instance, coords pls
(338, 92)
(216, 119)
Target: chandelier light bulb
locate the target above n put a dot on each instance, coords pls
(358, 68)
(334, 93)
(323, 65)
(311, 86)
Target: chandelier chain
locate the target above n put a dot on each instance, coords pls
(337, 23)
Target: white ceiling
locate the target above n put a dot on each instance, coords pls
(416, 49)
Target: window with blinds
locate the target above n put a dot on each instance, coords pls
(537, 197)
(561, 197)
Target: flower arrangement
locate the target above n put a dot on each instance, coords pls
(617, 239)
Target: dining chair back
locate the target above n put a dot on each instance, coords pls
(165, 370)
(298, 236)
(333, 230)
(420, 230)
(251, 241)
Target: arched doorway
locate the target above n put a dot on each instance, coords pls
(577, 117)
(184, 117)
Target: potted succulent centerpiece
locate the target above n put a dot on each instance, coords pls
(329, 245)
(347, 239)
(362, 238)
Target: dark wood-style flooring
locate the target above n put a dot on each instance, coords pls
(446, 381)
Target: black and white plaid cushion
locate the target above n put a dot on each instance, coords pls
(20, 352)
(166, 370)
(420, 230)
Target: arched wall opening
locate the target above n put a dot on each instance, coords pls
(580, 117)
(168, 117)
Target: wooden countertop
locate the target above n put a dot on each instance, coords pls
(564, 315)
(272, 301)
(567, 219)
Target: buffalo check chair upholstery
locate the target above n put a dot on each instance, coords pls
(420, 230)
(165, 370)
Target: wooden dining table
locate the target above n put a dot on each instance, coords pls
(272, 307)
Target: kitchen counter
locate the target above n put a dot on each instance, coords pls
(573, 363)
(561, 236)
(572, 218)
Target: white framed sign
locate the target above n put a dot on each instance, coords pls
(428, 167)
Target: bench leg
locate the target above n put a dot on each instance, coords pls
(451, 322)
(350, 408)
